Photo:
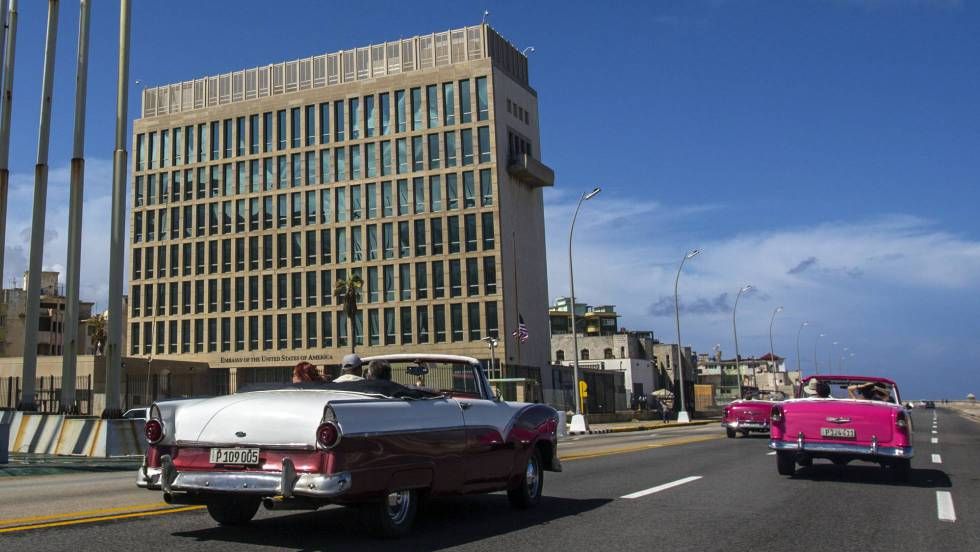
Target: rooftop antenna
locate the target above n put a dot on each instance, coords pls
(528, 50)
(486, 14)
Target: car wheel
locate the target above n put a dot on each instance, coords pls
(805, 461)
(233, 510)
(785, 463)
(392, 516)
(745, 433)
(730, 432)
(527, 492)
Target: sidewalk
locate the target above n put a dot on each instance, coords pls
(645, 425)
(22, 464)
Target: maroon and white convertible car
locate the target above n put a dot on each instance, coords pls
(377, 445)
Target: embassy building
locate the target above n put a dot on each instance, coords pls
(413, 164)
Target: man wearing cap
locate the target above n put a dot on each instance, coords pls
(350, 369)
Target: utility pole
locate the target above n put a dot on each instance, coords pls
(75, 217)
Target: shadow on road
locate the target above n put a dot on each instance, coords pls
(874, 475)
(443, 523)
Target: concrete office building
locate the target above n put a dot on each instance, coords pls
(50, 324)
(413, 164)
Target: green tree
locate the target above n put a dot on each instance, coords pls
(348, 292)
(97, 333)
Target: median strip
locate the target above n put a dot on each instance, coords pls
(638, 448)
(97, 519)
(944, 506)
(663, 487)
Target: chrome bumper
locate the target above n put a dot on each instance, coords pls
(872, 450)
(286, 483)
(746, 425)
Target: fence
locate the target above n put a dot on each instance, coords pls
(47, 394)
(606, 390)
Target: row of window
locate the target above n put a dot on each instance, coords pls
(372, 115)
(385, 283)
(418, 238)
(323, 206)
(389, 326)
(299, 169)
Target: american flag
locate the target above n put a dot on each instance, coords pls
(521, 332)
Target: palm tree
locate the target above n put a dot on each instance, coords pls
(347, 293)
(97, 332)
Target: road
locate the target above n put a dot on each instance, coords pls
(676, 489)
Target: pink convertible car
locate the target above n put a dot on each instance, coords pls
(751, 413)
(842, 418)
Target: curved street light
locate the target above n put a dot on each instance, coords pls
(738, 360)
(798, 332)
(682, 416)
(772, 354)
(816, 367)
(571, 310)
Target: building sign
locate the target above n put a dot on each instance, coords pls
(272, 359)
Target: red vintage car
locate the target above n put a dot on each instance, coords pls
(375, 444)
(751, 413)
(842, 419)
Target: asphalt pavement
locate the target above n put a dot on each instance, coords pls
(677, 489)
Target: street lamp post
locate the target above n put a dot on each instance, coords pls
(842, 354)
(772, 354)
(578, 421)
(738, 361)
(798, 332)
(830, 357)
(682, 416)
(492, 343)
(816, 366)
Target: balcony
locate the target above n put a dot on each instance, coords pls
(531, 171)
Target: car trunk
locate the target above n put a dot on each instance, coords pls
(867, 419)
(755, 412)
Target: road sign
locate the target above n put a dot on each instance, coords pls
(583, 388)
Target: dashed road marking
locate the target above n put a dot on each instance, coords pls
(944, 506)
(663, 487)
(936, 459)
(773, 453)
(934, 432)
(935, 440)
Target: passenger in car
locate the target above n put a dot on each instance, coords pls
(305, 372)
(350, 369)
(870, 391)
(378, 370)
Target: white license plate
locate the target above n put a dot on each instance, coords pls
(837, 432)
(240, 456)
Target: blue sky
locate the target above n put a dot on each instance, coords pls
(825, 151)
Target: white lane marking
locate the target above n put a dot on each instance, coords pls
(936, 459)
(773, 453)
(944, 506)
(934, 432)
(935, 440)
(663, 487)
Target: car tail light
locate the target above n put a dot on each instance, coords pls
(153, 430)
(327, 435)
(901, 422)
(776, 414)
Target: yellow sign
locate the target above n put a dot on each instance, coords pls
(583, 388)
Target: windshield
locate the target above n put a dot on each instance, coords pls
(453, 378)
(850, 389)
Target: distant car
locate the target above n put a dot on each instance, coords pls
(750, 414)
(142, 413)
(436, 429)
(863, 419)
(930, 404)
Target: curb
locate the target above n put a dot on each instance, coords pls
(628, 429)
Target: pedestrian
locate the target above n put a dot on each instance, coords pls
(350, 369)
(664, 412)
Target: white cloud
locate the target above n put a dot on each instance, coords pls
(96, 224)
(856, 280)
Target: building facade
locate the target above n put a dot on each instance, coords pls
(50, 324)
(412, 164)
